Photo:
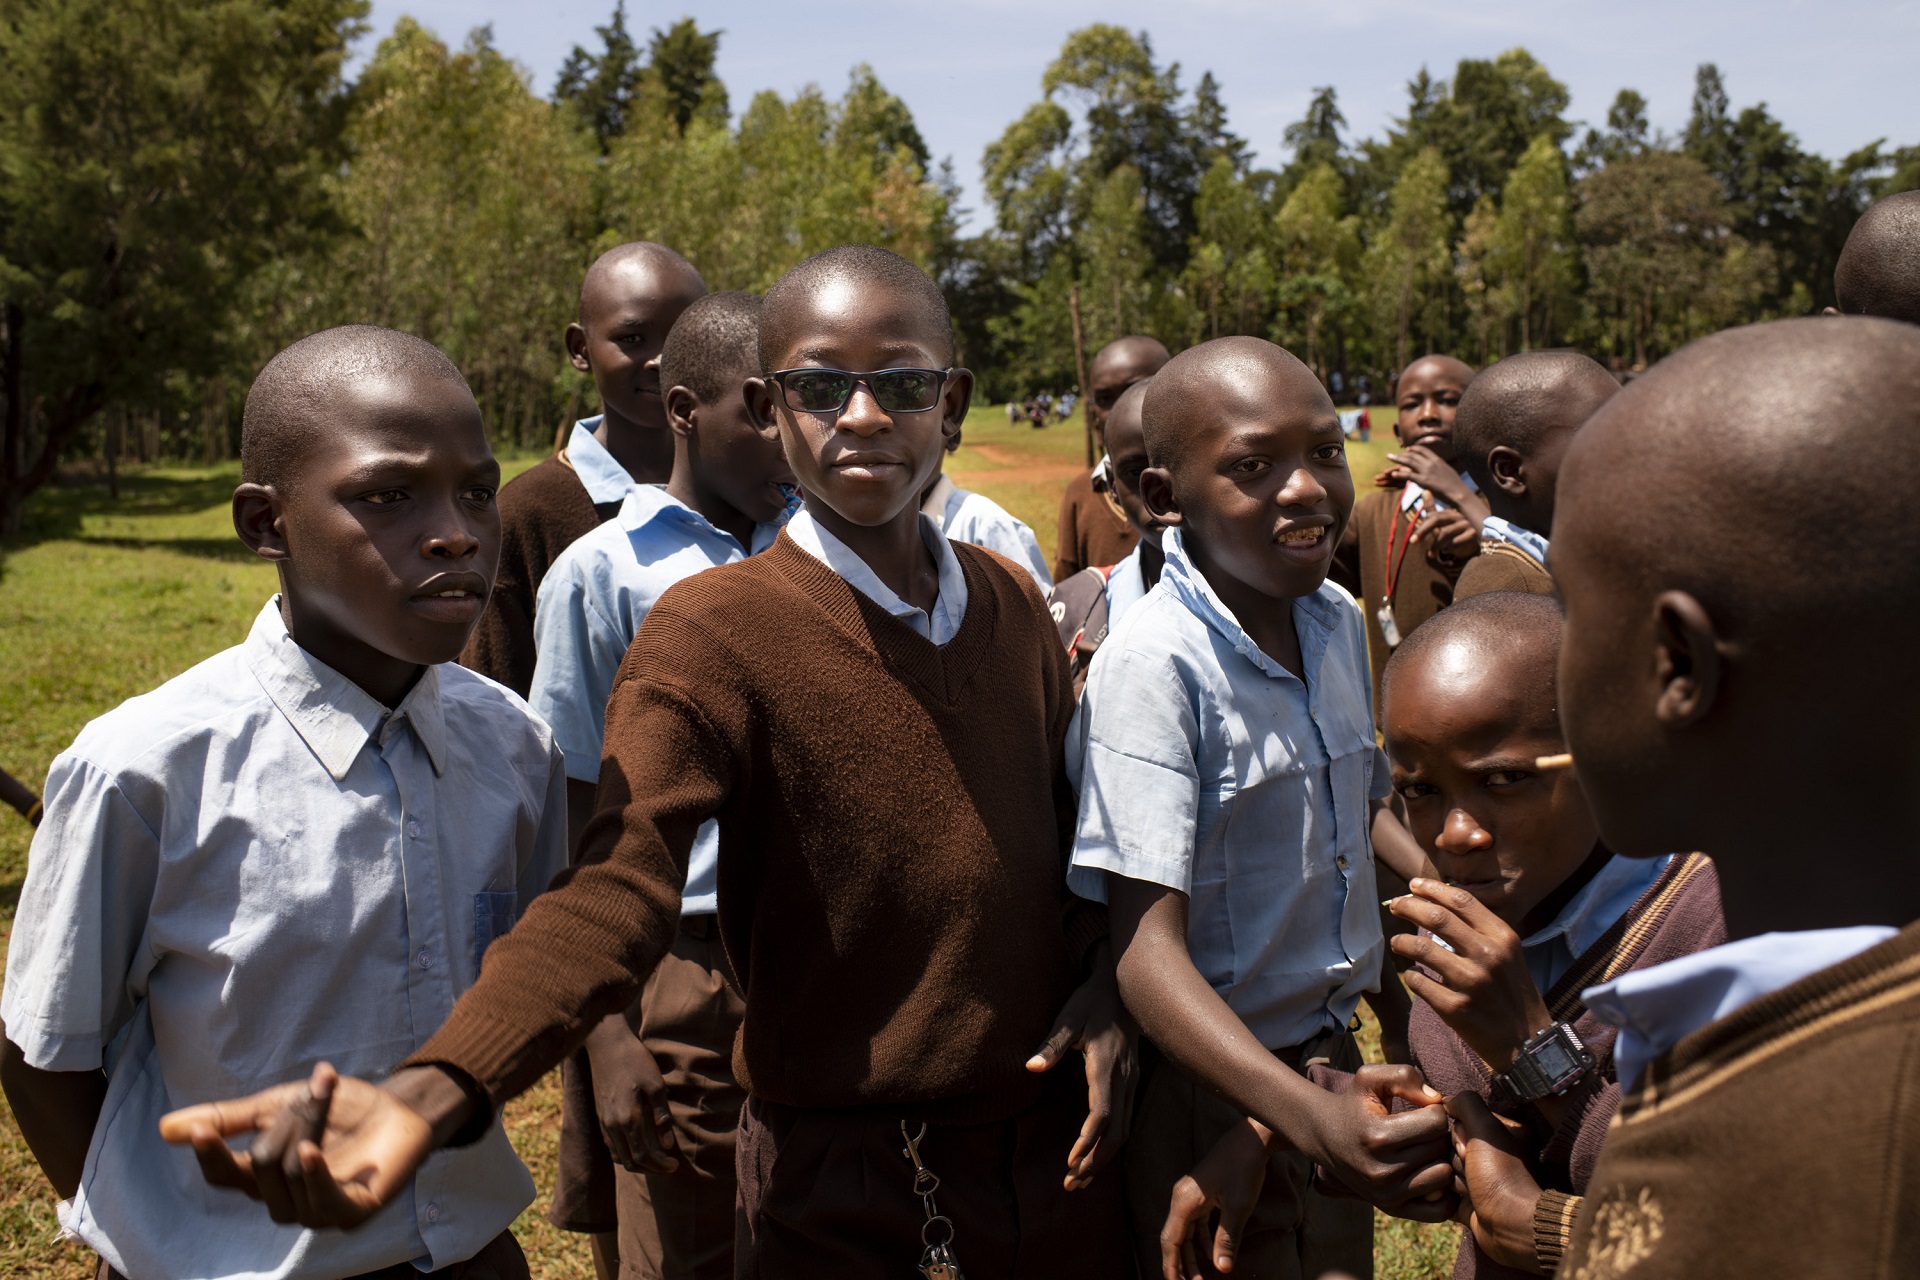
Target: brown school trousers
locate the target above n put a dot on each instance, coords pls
(1295, 1233)
(831, 1194)
(680, 1225)
(499, 1259)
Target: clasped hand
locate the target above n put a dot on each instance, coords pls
(1094, 1022)
(1479, 983)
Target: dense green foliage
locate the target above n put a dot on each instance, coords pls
(187, 185)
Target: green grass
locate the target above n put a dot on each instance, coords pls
(101, 600)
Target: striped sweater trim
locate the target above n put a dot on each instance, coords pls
(1878, 979)
(1553, 1217)
(1623, 943)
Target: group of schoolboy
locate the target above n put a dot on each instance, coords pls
(825, 843)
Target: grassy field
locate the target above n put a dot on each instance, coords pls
(100, 600)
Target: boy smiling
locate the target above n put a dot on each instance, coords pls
(874, 717)
(1229, 780)
(298, 850)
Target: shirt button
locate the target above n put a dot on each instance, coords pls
(413, 828)
(426, 959)
(433, 1213)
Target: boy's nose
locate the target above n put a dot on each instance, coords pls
(862, 414)
(1462, 833)
(456, 543)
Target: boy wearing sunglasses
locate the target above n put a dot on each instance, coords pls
(875, 717)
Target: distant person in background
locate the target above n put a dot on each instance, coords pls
(629, 300)
(1362, 393)
(1092, 530)
(1878, 273)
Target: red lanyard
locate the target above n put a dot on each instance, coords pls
(1394, 563)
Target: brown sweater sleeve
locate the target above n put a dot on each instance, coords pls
(586, 947)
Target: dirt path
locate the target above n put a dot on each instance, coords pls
(1010, 467)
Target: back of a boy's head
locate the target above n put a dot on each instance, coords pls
(1770, 472)
(714, 346)
(1516, 401)
(861, 265)
(1878, 273)
(1511, 636)
(287, 406)
(1181, 401)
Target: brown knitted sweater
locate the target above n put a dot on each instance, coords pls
(1678, 915)
(542, 511)
(1423, 585)
(1092, 534)
(893, 825)
(1781, 1140)
(1501, 566)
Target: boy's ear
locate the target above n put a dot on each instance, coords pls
(1156, 490)
(257, 519)
(577, 348)
(759, 393)
(1508, 470)
(681, 402)
(956, 397)
(1687, 660)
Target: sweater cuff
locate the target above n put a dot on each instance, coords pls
(1553, 1228)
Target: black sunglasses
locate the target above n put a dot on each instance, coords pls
(828, 390)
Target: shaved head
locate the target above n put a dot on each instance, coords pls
(1879, 269)
(287, 406)
(1769, 469)
(1449, 366)
(860, 265)
(1519, 400)
(1184, 399)
(1137, 355)
(640, 268)
(1508, 640)
(1734, 547)
(714, 346)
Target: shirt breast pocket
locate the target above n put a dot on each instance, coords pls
(493, 914)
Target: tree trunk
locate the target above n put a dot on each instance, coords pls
(13, 427)
(1080, 364)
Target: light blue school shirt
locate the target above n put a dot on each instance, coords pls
(965, 516)
(949, 610)
(590, 607)
(1126, 585)
(604, 479)
(1656, 1008)
(254, 868)
(1205, 766)
(1551, 950)
(1494, 529)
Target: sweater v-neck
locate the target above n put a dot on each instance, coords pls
(943, 672)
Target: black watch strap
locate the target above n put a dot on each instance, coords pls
(1550, 1064)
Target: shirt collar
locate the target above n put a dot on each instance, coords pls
(334, 716)
(949, 610)
(647, 504)
(605, 479)
(935, 507)
(1191, 588)
(1601, 901)
(1494, 529)
(1657, 1007)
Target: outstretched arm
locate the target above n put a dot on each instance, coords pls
(1395, 1161)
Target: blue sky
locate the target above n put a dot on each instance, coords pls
(1838, 72)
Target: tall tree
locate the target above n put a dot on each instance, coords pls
(1627, 134)
(1532, 246)
(1319, 248)
(1229, 274)
(157, 154)
(600, 87)
(680, 71)
(1654, 226)
(1409, 264)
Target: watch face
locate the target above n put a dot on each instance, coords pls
(1555, 1059)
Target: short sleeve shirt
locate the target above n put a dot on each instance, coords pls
(974, 518)
(591, 605)
(254, 868)
(1206, 767)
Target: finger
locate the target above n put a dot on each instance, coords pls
(230, 1118)
(1175, 1246)
(1441, 1210)
(1055, 1046)
(655, 1137)
(1444, 1001)
(1453, 969)
(326, 1201)
(218, 1163)
(1474, 1122)
(1469, 910)
(615, 1136)
(1384, 1083)
(1227, 1236)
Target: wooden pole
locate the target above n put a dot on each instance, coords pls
(1080, 365)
